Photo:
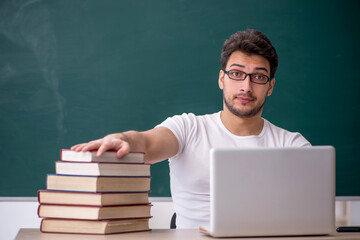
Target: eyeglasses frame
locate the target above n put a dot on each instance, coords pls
(247, 74)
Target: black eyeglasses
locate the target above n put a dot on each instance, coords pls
(254, 77)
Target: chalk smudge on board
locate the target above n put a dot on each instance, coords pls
(28, 24)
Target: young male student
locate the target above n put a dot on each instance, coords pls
(248, 62)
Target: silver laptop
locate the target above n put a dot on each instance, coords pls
(272, 192)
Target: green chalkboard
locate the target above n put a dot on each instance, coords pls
(75, 70)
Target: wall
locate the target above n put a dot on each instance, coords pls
(74, 71)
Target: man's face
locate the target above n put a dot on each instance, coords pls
(245, 98)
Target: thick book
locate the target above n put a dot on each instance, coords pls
(95, 199)
(109, 156)
(94, 227)
(102, 169)
(97, 183)
(93, 212)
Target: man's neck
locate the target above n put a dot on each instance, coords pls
(242, 126)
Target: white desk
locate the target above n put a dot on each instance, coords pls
(178, 234)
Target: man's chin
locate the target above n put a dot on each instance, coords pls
(245, 113)
(245, 110)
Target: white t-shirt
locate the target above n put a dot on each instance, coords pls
(189, 168)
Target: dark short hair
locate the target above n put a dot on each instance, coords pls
(250, 41)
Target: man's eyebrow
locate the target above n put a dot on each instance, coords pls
(242, 66)
(262, 68)
(238, 65)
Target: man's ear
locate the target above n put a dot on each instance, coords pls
(221, 79)
(271, 87)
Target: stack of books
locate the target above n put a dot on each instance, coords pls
(96, 195)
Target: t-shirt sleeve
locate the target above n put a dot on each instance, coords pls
(180, 126)
(282, 138)
(298, 140)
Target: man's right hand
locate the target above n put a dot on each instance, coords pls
(115, 142)
(158, 144)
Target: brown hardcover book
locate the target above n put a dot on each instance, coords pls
(93, 212)
(95, 199)
(110, 156)
(94, 227)
(98, 184)
(102, 169)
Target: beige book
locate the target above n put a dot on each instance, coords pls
(93, 212)
(94, 227)
(95, 199)
(109, 156)
(98, 184)
(102, 169)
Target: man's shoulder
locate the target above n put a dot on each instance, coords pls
(285, 137)
(195, 117)
(191, 120)
(275, 128)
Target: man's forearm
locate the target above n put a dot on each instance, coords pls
(158, 144)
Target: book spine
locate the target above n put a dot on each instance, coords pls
(38, 211)
(65, 149)
(83, 192)
(93, 206)
(96, 234)
(90, 176)
(41, 225)
(106, 163)
(38, 195)
(98, 220)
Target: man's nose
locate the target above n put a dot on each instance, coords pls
(246, 84)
